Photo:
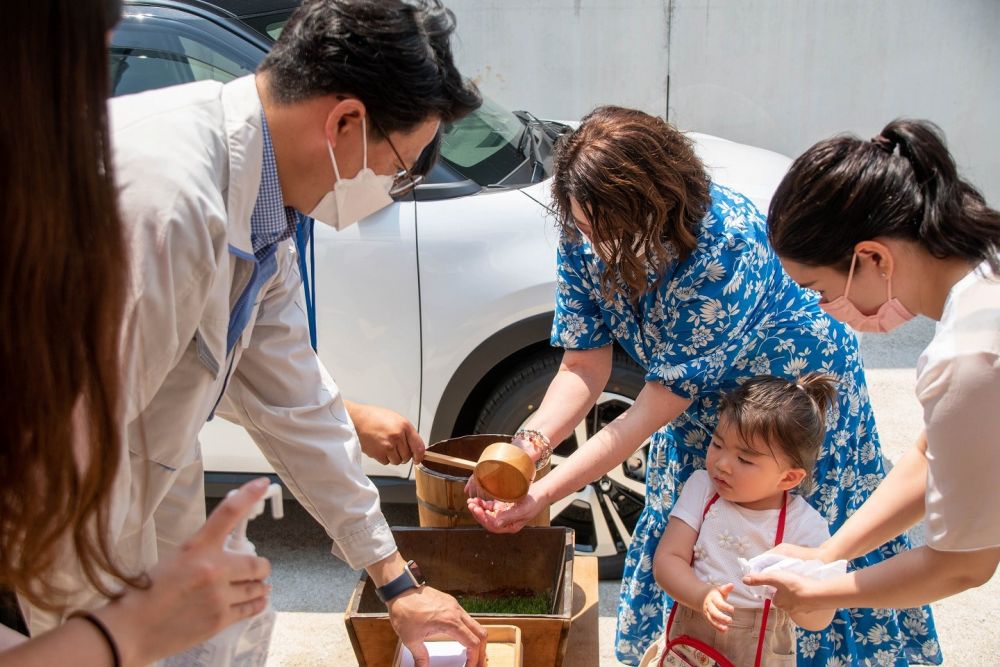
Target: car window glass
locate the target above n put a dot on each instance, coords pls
(483, 133)
(483, 146)
(269, 24)
(274, 29)
(208, 64)
(173, 47)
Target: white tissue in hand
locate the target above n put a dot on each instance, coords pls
(771, 562)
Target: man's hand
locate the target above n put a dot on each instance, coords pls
(386, 436)
(422, 612)
(717, 609)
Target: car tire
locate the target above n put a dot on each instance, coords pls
(604, 513)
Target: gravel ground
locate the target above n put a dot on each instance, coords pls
(311, 588)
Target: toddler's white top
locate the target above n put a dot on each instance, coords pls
(730, 532)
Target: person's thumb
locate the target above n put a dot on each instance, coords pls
(726, 589)
(421, 658)
(415, 443)
(229, 512)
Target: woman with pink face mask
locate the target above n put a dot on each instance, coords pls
(885, 230)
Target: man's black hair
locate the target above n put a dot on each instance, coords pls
(394, 56)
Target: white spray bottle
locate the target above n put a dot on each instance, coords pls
(245, 643)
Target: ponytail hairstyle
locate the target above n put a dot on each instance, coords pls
(641, 185)
(902, 184)
(63, 277)
(783, 413)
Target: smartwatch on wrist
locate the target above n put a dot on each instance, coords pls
(412, 577)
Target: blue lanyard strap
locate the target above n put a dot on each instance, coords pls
(304, 238)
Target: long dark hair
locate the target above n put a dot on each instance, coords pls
(641, 185)
(62, 286)
(901, 184)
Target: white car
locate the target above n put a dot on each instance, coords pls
(439, 307)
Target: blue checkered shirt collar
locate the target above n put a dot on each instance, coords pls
(271, 221)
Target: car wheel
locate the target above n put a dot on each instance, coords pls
(603, 513)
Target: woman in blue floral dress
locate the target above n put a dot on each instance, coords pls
(678, 272)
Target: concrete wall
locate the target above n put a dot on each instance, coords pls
(780, 74)
(560, 58)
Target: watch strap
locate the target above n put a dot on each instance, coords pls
(404, 582)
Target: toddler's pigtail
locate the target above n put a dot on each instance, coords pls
(822, 389)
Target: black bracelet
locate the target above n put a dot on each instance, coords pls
(116, 657)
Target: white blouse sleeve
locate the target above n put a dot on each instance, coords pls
(961, 399)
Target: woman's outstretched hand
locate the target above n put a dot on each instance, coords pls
(497, 516)
(792, 592)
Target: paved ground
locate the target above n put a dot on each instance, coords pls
(311, 588)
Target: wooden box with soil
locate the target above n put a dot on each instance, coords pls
(524, 579)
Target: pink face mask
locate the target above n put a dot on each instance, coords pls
(890, 314)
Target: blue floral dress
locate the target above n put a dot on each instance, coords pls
(722, 315)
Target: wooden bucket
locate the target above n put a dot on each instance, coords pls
(441, 488)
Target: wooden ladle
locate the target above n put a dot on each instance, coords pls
(503, 470)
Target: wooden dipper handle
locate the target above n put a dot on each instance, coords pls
(435, 457)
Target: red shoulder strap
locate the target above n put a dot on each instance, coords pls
(780, 535)
(708, 505)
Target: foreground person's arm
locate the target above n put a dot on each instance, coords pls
(894, 507)
(191, 597)
(10, 638)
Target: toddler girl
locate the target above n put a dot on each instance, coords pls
(769, 434)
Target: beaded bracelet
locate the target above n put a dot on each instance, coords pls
(116, 656)
(539, 441)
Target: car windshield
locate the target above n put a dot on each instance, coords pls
(485, 145)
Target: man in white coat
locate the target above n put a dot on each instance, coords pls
(211, 177)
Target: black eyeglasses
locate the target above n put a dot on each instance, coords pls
(404, 182)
